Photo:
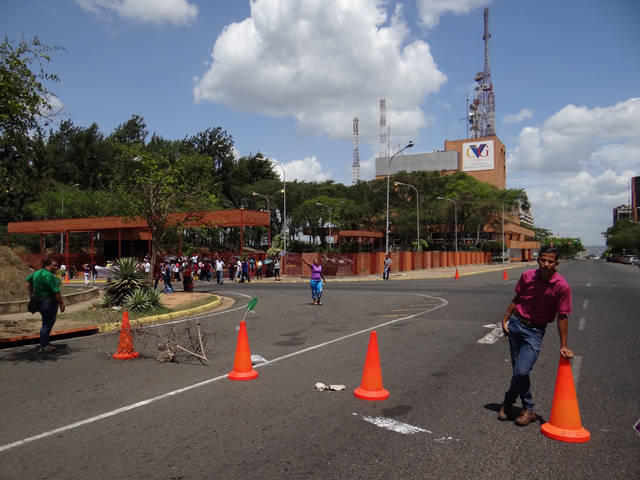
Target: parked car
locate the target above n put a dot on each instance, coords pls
(629, 259)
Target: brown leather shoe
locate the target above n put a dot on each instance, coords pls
(525, 418)
(505, 411)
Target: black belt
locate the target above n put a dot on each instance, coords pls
(527, 323)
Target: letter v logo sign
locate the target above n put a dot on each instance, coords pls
(477, 151)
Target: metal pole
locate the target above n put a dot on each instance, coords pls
(409, 145)
(417, 211)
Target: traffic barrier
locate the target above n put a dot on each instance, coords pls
(242, 366)
(371, 384)
(564, 424)
(125, 346)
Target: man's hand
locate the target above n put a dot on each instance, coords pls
(565, 352)
(62, 308)
(505, 328)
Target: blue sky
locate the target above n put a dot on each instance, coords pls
(287, 77)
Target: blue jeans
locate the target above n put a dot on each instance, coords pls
(385, 273)
(48, 311)
(524, 344)
(316, 289)
(219, 277)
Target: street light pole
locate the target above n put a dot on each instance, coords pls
(330, 210)
(504, 198)
(408, 145)
(269, 210)
(284, 191)
(417, 211)
(455, 219)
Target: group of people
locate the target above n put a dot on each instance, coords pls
(542, 296)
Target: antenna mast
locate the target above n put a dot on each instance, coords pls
(355, 167)
(384, 152)
(482, 111)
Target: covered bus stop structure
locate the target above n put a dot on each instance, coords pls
(132, 237)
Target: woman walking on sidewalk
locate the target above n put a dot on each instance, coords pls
(317, 279)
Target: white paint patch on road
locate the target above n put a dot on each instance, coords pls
(257, 359)
(584, 305)
(582, 323)
(509, 283)
(575, 368)
(442, 303)
(394, 425)
(589, 284)
(493, 336)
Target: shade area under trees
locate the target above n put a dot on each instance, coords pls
(53, 170)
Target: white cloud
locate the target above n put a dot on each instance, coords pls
(308, 169)
(431, 10)
(518, 117)
(322, 63)
(175, 12)
(576, 138)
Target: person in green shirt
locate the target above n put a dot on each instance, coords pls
(45, 286)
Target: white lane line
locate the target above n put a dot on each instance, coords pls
(584, 305)
(582, 323)
(211, 380)
(509, 283)
(394, 425)
(575, 368)
(493, 336)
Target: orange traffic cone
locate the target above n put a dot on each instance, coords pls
(371, 385)
(504, 275)
(457, 277)
(66, 278)
(242, 367)
(564, 424)
(125, 347)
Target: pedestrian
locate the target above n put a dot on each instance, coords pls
(219, 265)
(176, 271)
(231, 267)
(238, 270)
(45, 287)
(187, 280)
(87, 273)
(317, 280)
(157, 273)
(542, 295)
(276, 268)
(94, 273)
(245, 272)
(168, 271)
(387, 267)
(147, 266)
(259, 270)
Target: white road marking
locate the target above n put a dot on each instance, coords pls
(589, 284)
(493, 336)
(575, 368)
(394, 425)
(257, 359)
(212, 380)
(582, 323)
(509, 283)
(584, 305)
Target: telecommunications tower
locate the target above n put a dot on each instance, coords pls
(482, 111)
(384, 150)
(355, 167)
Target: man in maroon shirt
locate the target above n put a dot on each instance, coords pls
(541, 295)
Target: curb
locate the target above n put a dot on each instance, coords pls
(110, 327)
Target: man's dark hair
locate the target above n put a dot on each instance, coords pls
(48, 262)
(552, 250)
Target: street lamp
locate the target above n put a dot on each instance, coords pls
(417, 211)
(504, 198)
(284, 192)
(456, 218)
(330, 210)
(62, 215)
(408, 145)
(269, 210)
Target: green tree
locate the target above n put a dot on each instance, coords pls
(623, 237)
(157, 180)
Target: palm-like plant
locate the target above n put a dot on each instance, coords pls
(128, 276)
(142, 299)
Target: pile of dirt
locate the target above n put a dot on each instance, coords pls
(13, 271)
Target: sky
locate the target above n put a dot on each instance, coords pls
(287, 77)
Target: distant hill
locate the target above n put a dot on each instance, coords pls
(596, 250)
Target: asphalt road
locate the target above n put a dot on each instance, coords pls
(79, 414)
